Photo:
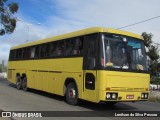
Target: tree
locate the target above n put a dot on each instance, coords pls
(3, 68)
(152, 51)
(147, 39)
(7, 18)
(0, 68)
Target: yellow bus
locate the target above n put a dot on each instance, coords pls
(95, 64)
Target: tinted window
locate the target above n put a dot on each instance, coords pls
(42, 50)
(74, 46)
(12, 55)
(37, 51)
(62, 48)
(32, 52)
(27, 53)
(19, 54)
(90, 54)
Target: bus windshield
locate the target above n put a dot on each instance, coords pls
(123, 52)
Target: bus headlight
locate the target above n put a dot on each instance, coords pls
(144, 96)
(111, 96)
(114, 96)
(108, 96)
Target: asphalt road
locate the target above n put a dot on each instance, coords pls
(12, 99)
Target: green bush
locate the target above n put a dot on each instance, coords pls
(155, 81)
(154, 96)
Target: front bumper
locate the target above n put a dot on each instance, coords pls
(123, 96)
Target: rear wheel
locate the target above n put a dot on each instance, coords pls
(24, 83)
(18, 82)
(72, 94)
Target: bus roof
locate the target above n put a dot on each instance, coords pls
(79, 33)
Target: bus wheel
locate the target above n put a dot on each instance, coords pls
(72, 94)
(18, 82)
(24, 83)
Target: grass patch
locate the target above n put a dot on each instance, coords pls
(154, 96)
(155, 81)
(154, 99)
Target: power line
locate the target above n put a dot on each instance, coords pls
(139, 22)
(156, 43)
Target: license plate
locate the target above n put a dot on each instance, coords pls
(130, 97)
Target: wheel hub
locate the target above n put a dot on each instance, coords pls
(72, 94)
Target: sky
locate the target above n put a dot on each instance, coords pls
(40, 19)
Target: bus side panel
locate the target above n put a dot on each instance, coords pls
(51, 82)
(11, 73)
(49, 74)
(31, 76)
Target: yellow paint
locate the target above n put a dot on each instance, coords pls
(50, 74)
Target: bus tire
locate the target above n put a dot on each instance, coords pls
(71, 94)
(24, 83)
(18, 82)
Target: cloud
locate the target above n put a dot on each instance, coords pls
(109, 12)
(4, 50)
(26, 32)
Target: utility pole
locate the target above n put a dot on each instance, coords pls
(28, 25)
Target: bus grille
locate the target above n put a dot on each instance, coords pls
(127, 89)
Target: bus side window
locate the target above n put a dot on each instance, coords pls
(32, 52)
(60, 48)
(58, 51)
(63, 47)
(12, 55)
(53, 47)
(36, 52)
(19, 54)
(22, 53)
(27, 53)
(90, 52)
(42, 50)
(47, 48)
(68, 47)
(80, 50)
(16, 54)
(77, 46)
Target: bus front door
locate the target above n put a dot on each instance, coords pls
(89, 66)
(90, 85)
